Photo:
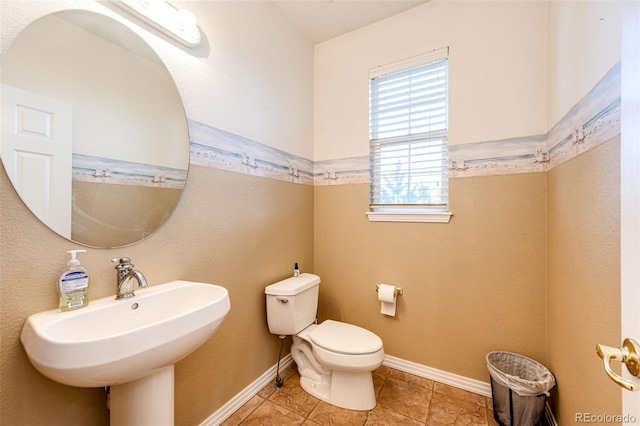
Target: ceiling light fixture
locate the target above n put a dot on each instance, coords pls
(178, 24)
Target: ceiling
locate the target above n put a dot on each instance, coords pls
(322, 20)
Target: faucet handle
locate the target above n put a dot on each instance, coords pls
(123, 262)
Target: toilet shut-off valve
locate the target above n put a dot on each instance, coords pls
(628, 354)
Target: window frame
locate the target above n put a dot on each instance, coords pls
(391, 212)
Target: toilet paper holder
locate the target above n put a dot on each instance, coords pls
(398, 289)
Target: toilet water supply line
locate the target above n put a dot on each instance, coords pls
(280, 380)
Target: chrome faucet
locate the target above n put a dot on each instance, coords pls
(126, 277)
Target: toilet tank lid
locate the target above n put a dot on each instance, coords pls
(293, 285)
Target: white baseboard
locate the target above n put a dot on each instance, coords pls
(246, 394)
(460, 382)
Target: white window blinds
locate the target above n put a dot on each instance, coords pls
(408, 134)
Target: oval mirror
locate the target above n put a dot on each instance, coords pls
(94, 135)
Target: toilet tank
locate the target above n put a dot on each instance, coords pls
(292, 304)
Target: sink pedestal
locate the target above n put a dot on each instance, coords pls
(146, 401)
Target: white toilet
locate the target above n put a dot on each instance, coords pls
(334, 359)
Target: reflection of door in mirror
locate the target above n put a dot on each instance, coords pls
(36, 150)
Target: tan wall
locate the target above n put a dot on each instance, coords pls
(471, 286)
(584, 279)
(234, 230)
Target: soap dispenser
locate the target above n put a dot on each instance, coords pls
(73, 285)
(296, 271)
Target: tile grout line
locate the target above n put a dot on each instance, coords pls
(307, 416)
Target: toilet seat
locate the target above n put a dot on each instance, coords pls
(342, 338)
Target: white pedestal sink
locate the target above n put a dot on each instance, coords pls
(130, 345)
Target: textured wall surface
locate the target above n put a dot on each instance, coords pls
(472, 286)
(584, 279)
(233, 230)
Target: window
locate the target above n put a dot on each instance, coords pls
(408, 154)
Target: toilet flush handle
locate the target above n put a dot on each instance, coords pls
(282, 300)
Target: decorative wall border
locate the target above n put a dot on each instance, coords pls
(89, 168)
(515, 155)
(215, 148)
(590, 123)
(593, 121)
(342, 171)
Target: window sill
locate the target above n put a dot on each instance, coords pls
(436, 217)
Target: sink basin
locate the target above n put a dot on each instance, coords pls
(111, 342)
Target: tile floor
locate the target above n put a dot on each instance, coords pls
(403, 399)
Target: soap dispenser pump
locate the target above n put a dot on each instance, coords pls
(73, 285)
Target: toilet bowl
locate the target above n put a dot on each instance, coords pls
(335, 359)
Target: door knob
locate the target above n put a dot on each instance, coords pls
(628, 354)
